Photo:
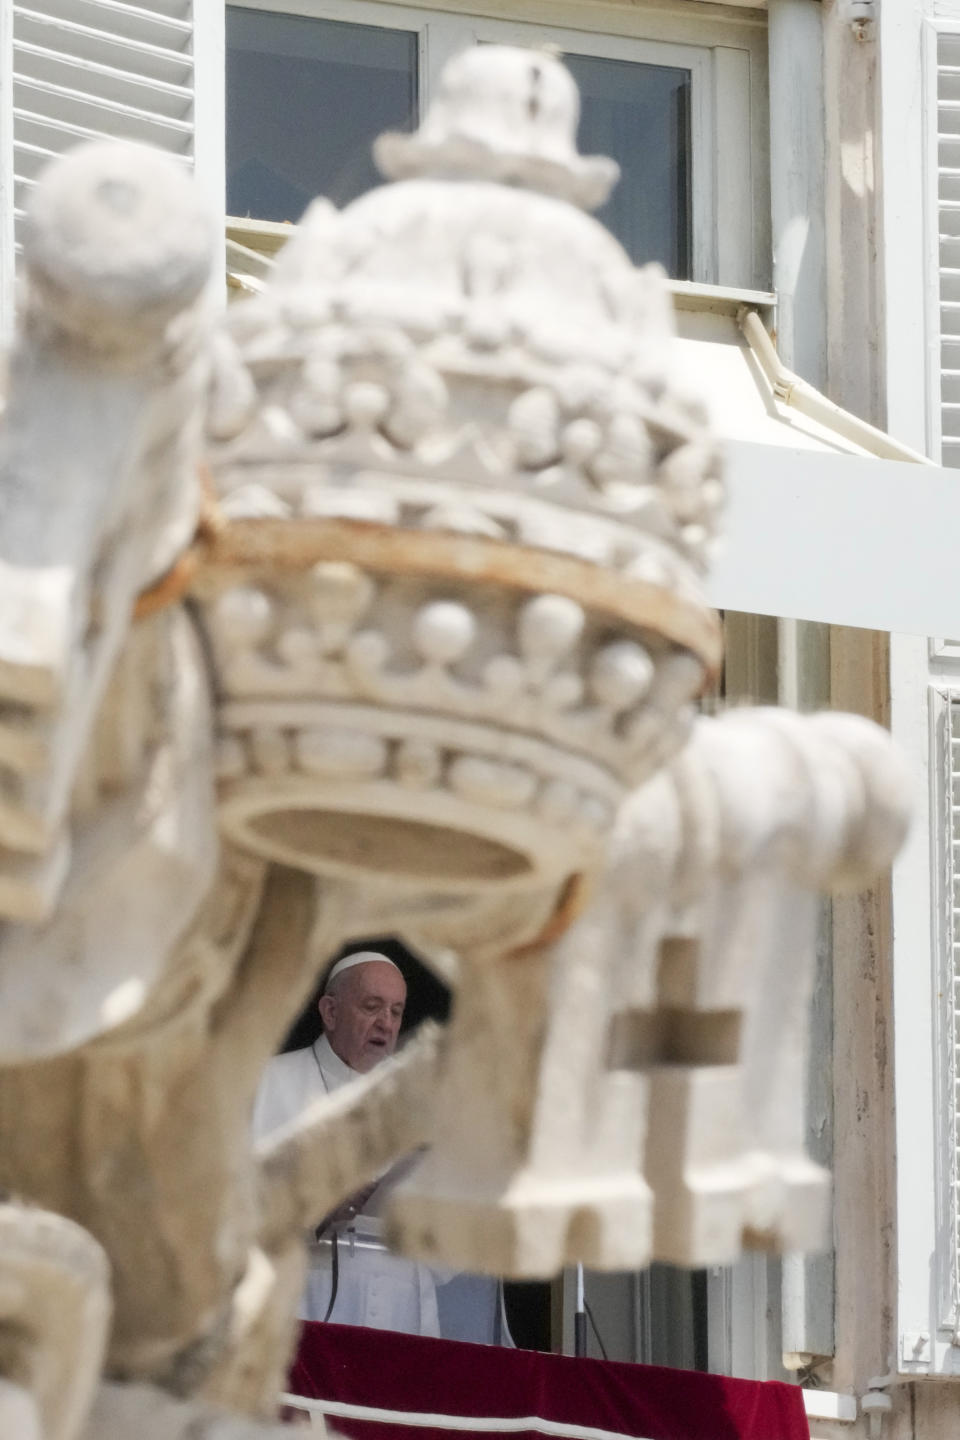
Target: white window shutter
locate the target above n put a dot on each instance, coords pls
(921, 140)
(150, 71)
(926, 915)
(925, 695)
(947, 753)
(948, 216)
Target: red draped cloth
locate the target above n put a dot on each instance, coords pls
(377, 1385)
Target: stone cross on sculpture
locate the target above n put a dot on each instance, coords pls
(375, 605)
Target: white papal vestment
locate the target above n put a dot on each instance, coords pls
(376, 1289)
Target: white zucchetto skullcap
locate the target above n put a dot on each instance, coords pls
(361, 957)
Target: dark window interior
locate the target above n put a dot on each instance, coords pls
(306, 98)
(640, 115)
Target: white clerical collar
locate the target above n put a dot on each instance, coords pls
(337, 1070)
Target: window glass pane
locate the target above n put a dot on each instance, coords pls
(640, 114)
(305, 100)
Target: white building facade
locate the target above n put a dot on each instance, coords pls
(794, 160)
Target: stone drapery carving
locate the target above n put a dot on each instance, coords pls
(429, 664)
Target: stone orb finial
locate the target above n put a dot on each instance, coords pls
(117, 238)
(503, 114)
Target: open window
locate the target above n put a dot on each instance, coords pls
(681, 110)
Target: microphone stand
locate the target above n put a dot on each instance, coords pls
(580, 1319)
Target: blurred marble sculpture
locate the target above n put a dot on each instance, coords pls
(375, 605)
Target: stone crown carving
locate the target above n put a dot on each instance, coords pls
(531, 706)
(459, 372)
(440, 643)
(516, 124)
(475, 356)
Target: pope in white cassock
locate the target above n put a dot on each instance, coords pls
(361, 1008)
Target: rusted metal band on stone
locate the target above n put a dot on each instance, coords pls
(175, 583)
(270, 545)
(572, 902)
(171, 587)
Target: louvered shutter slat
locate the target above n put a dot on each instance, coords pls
(31, 159)
(948, 151)
(949, 355)
(83, 45)
(60, 134)
(90, 69)
(948, 224)
(118, 119)
(158, 23)
(102, 82)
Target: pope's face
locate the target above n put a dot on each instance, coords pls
(362, 1014)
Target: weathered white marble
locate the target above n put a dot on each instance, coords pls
(105, 806)
(54, 1319)
(429, 665)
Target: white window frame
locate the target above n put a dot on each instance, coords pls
(727, 62)
(925, 682)
(727, 57)
(924, 677)
(209, 61)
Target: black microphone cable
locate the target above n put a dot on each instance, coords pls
(334, 1273)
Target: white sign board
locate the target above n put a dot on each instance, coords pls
(840, 539)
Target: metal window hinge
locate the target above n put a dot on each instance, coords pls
(862, 17)
(916, 1347)
(876, 1403)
